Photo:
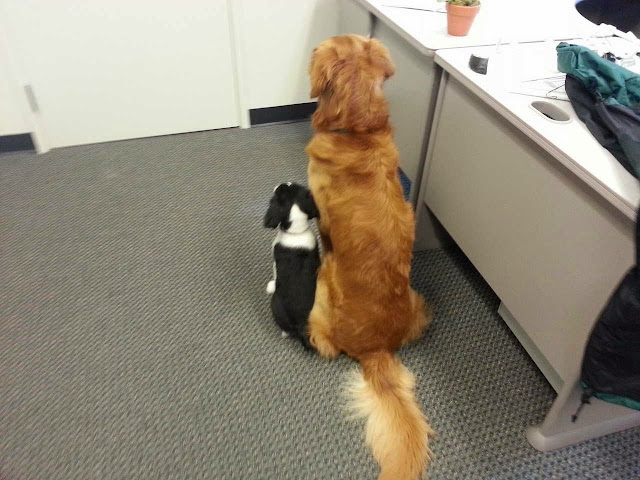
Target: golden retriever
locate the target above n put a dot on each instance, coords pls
(364, 305)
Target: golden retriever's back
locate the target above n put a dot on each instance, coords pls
(356, 186)
(358, 181)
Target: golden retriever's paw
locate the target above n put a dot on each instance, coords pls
(324, 347)
(421, 318)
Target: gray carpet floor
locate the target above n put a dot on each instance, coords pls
(136, 340)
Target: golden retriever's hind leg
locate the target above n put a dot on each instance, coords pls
(421, 318)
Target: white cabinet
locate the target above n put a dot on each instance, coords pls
(106, 70)
(114, 69)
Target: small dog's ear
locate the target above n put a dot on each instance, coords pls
(273, 217)
(308, 206)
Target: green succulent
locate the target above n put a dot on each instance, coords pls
(465, 3)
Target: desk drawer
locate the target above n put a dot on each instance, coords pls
(548, 245)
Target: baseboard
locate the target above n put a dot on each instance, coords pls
(284, 113)
(16, 143)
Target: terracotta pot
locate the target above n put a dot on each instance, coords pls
(459, 19)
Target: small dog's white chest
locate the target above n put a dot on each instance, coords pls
(305, 240)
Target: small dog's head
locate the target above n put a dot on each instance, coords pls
(347, 73)
(291, 208)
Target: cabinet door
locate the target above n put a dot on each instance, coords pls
(114, 69)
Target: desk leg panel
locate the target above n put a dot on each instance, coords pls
(411, 96)
(595, 420)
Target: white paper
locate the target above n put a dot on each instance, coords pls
(425, 5)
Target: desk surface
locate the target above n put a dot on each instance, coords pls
(571, 143)
(498, 20)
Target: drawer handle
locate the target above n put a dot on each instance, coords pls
(550, 112)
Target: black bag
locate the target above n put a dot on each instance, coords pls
(611, 364)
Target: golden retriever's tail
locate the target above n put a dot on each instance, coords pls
(396, 431)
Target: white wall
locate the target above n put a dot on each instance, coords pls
(353, 18)
(13, 114)
(275, 39)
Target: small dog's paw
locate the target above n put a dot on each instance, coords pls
(271, 287)
(284, 334)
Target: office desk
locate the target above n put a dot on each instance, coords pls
(413, 37)
(545, 214)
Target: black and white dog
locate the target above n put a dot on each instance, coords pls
(296, 259)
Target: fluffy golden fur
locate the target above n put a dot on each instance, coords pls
(364, 305)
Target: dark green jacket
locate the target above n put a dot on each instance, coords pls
(614, 84)
(606, 97)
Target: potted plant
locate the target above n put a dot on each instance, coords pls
(460, 15)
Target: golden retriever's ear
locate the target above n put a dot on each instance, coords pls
(320, 70)
(381, 58)
(317, 74)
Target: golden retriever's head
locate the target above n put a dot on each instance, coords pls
(347, 73)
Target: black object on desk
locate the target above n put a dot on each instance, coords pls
(478, 64)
